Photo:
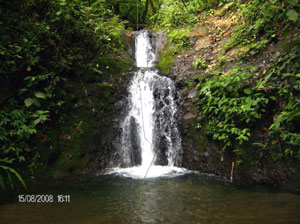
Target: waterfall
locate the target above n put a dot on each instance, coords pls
(150, 139)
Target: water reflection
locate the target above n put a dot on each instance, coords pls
(186, 199)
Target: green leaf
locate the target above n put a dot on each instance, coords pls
(36, 121)
(21, 158)
(43, 117)
(292, 15)
(28, 102)
(40, 95)
(28, 68)
(247, 91)
(6, 160)
(59, 12)
(292, 2)
(98, 71)
(21, 91)
(14, 172)
(63, 3)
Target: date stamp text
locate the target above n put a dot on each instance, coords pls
(43, 198)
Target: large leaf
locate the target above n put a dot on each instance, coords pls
(14, 172)
(292, 15)
(28, 102)
(40, 95)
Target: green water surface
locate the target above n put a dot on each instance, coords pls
(186, 199)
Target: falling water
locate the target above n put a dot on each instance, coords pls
(151, 143)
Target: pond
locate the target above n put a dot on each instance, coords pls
(190, 198)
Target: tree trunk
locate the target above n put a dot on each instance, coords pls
(116, 9)
(145, 11)
(151, 6)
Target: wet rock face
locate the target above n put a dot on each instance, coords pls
(129, 41)
(166, 118)
(160, 40)
(161, 151)
(136, 158)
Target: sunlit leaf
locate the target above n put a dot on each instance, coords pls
(36, 121)
(59, 12)
(247, 91)
(21, 158)
(28, 102)
(292, 15)
(40, 95)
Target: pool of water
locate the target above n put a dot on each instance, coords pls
(191, 198)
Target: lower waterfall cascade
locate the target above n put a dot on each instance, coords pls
(150, 139)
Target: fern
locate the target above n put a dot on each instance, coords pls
(8, 170)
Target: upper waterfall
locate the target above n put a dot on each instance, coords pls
(144, 52)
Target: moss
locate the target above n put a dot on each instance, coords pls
(115, 64)
(78, 140)
(72, 146)
(180, 38)
(166, 59)
(202, 141)
(197, 136)
(105, 66)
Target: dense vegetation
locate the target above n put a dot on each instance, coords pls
(45, 45)
(254, 103)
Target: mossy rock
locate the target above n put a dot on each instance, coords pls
(166, 59)
(106, 66)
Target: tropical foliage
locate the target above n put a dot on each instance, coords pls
(239, 101)
(43, 45)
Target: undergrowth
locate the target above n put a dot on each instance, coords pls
(44, 45)
(238, 106)
(243, 104)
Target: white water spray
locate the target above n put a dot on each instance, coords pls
(151, 143)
